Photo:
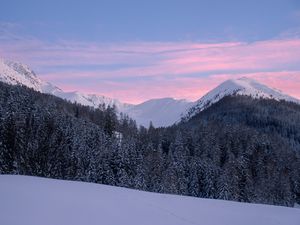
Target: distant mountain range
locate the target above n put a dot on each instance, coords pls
(162, 112)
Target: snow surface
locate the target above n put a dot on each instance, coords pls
(39, 201)
(161, 112)
(17, 73)
(241, 86)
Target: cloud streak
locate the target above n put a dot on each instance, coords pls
(136, 71)
(184, 87)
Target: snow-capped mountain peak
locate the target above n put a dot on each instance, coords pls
(16, 73)
(19, 74)
(241, 86)
(162, 112)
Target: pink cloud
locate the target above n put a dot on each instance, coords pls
(186, 87)
(192, 59)
(158, 58)
(167, 64)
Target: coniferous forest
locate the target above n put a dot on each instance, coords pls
(238, 149)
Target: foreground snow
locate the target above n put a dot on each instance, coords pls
(39, 201)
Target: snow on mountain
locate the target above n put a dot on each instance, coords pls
(35, 201)
(89, 99)
(161, 112)
(16, 73)
(241, 86)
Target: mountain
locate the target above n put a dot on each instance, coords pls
(242, 86)
(36, 201)
(89, 99)
(20, 74)
(16, 73)
(162, 112)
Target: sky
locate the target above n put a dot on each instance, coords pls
(137, 50)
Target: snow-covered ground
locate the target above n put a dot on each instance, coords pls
(39, 201)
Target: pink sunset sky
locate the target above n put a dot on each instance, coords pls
(139, 50)
(137, 71)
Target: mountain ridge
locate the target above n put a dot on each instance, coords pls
(16, 73)
(241, 86)
(161, 112)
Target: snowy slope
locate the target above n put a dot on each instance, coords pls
(89, 99)
(17, 73)
(162, 112)
(40, 201)
(241, 86)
